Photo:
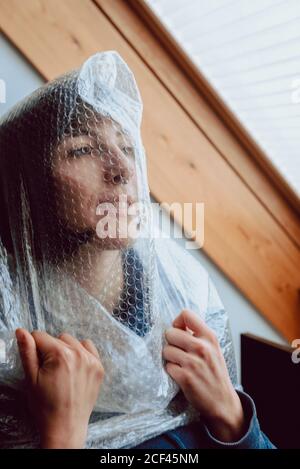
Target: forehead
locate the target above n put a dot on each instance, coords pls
(99, 128)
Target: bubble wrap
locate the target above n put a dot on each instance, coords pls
(72, 146)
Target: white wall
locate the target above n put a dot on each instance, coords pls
(21, 79)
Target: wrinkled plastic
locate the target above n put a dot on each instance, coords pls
(60, 158)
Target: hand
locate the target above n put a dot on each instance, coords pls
(63, 378)
(195, 361)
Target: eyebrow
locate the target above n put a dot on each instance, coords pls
(78, 132)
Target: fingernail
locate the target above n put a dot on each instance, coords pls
(20, 336)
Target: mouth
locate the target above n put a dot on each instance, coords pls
(116, 199)
(121, 202)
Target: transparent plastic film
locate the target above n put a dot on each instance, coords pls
(78, 254)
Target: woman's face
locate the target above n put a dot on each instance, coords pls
(92, 171)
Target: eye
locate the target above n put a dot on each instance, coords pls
(129, 151)
(81, 151)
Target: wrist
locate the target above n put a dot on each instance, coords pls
(63, 440)
(229, 424)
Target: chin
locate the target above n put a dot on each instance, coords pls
(113, 243)
(118, 242)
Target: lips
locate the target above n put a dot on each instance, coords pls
(125, 199)
(116, 199)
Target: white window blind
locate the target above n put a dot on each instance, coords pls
(249, 51)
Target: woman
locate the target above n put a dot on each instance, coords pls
(111, 307)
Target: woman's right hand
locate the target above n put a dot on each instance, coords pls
(63, 378)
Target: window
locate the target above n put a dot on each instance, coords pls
(249, 51)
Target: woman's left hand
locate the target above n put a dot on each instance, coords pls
(195, 361)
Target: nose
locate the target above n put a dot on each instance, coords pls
(116, 167)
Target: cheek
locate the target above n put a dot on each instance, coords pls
(77, 186)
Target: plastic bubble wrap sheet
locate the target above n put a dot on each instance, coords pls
(72, 164)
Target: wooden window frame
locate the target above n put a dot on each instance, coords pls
(145, 12)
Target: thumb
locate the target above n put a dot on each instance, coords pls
(190, 320)
(28, 354)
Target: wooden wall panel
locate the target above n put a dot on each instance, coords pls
(242, 235)
(152, 51)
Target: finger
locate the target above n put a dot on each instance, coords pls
(175, 371)
(28, 354)
(45, 343)
(86, 344)
(189, 319)
(90, 347)
(182, 339)
(175, 355)
(69, 340)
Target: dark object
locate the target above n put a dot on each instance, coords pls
(273, 381)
